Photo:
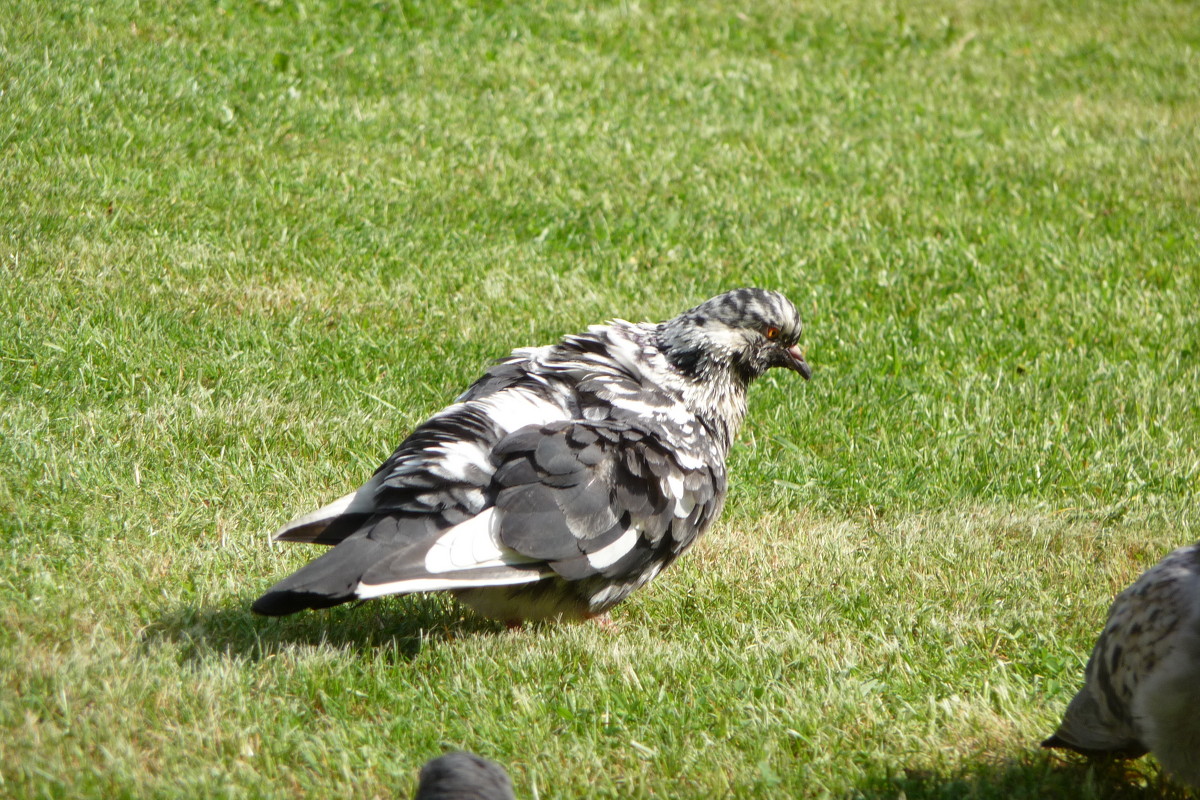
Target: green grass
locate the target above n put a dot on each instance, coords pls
(246, 246)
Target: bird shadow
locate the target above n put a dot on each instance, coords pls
(1035, 775)
(396, 629)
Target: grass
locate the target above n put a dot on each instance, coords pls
(247, 245)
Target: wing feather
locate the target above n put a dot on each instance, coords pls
(597, 498)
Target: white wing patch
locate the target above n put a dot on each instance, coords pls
(366, 591)
(464, 547)
(450, 409)
(673, 412)
(461, 455)
(614, 552)
(627, 353)
(468, 544)
(674, 484)
(684, 504)
(513, 409)
(472, 545)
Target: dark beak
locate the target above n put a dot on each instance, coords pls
(797, 362)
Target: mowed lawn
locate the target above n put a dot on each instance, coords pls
(246, 246)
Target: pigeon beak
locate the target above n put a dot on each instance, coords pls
(798, 363)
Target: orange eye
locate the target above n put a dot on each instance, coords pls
(772, 332)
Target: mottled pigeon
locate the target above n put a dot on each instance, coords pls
(563, 479)
(1141, 690)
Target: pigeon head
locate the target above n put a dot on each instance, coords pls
(744, 332)
(463, 776)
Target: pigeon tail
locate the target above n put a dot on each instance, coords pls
(1088, 730)
(334, 522)
(329, 581)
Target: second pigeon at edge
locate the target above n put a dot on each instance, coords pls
(563, 479)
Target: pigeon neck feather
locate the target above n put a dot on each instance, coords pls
(711, 378)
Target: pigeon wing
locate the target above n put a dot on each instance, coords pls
(600, 498)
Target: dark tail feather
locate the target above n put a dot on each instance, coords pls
(281, 603)
(325, 531)
(1128, 750)
(328, 581)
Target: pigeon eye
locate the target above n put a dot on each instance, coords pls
(772, 333)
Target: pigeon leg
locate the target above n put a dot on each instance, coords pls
(605, 622)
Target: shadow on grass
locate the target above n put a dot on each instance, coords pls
(395, 628)
(1040, 775)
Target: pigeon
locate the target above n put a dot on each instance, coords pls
(463, 776)
(564, 479)
(1142, 684)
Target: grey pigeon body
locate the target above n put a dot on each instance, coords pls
(463, 776)
(563, 479)
(1141, 688)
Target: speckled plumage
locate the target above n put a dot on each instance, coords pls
(563, 479)
(463, 776)
(1142, 683)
